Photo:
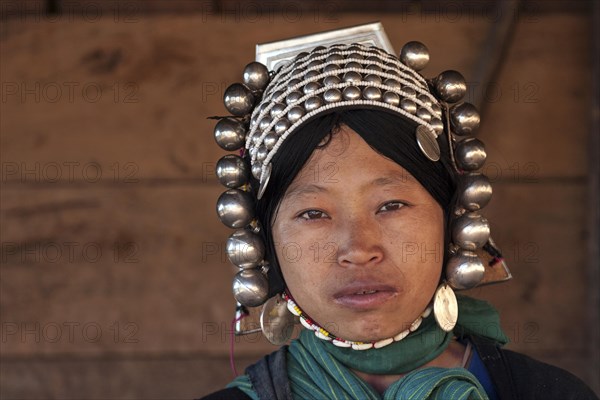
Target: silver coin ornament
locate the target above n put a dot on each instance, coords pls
(415, 55)
(475, 191)
(464, 119)
(250, 287)
(232, 171)
(245, 249)
(256, 76)
(470, 231)
(470, 154)
(427, 142)
(464, 270)
(445, 307)
(230, 134)
(276, 322)
(235, 208)
(238, 99)
(450, 86)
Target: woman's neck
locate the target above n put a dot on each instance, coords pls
(452, 357)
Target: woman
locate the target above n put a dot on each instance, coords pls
(357, 203)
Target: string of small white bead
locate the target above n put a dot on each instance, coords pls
(323, 334)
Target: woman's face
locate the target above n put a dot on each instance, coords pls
(359, 241)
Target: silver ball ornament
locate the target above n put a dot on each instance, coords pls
(371, 93)
(230, 134)
(470, 154)
(351, 93)
(414, 55)
(256, 170)
(295, 113)
(470, 231)
(450, 86)
(250, 287)
(464, 270)
(270, 140)
(256, 76)
(235, 208)
(238, 99)
(332, 95)
(245, 249)
(232, 171)
(475, 191)
(464, 119)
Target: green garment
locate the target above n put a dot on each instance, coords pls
(318, 369)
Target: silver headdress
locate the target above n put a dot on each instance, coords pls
(349, 68)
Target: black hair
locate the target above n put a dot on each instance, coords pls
(391, 135)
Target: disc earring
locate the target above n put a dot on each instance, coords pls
(445, 307)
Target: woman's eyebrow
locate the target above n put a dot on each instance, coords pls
(305, 189)
(395, 179)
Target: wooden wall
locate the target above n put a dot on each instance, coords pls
(113, 280)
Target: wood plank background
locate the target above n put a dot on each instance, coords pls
(113, 279)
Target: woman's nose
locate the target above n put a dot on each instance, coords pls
(359, 243)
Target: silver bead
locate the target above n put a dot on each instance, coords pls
(425, 99)
(409, 92)
(256, 140)
(256, 170)
(352, 76)
(351, 93)
(314, 63)
(394, 84)
(408, 105)
(261, 153)
(474, 191)
(356, 56)
(311, 75)
(470, 231)
(470, 154)
(331, 68)
(270, 140)
(264, 123)
(232, 171)
(353, 65)
(414, 55)
(437, 124)
(245, 249)
(334, 58)
(332, 95)
(281, 126)
(437, 110)
(312, 103)
(256, 76)
(373, 78)
(311, 87)
(235, 208)
(250, 287)
(450, 86)
(293, 97)
(464, 119)
(371, 93)
(230, 134)
(373, 67)
(277, 109)
(423, 114)
(331, 80)
(238, 99)
(464, 270)
(391, 98)
(295, 113)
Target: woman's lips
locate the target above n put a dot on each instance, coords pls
(364, 296)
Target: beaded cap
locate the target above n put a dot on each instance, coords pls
(341, 76)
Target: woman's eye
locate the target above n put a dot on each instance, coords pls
(313, 214)
(392, 206)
